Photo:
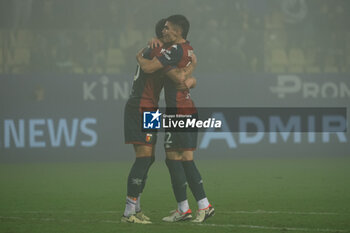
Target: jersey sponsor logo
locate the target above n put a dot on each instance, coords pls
(166, 53)
(167, 56)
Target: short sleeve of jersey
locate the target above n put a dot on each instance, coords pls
(172, 56)
(147, 53)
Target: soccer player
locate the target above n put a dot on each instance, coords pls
(179, 146)
(144, 97)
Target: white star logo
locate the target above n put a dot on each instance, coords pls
(156, 115)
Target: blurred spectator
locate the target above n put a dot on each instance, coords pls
(63, 52)
(294, 11)
(130, 41)
(42, 54)
(22, 13)
(97, 36)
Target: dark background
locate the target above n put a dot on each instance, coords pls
(74, 60)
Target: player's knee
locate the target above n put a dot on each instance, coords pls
(143, 151)
(174, 155)
(187, 156)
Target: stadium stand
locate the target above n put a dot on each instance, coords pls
(279, 60)
(92, 37)
(296, 61)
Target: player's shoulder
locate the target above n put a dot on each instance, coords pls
(180, 48)
(186, 46)
(176, 48)
(156, 51)
(187, 49)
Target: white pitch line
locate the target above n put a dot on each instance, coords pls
(272, 228)
(218, 212)
(278, 212)
(63, 212)
(187, 224)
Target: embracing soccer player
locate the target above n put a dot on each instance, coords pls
(179, 146)
(144, 97)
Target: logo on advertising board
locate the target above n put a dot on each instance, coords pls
(294, 85)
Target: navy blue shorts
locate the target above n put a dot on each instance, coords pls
(133, 133)
(181, 141)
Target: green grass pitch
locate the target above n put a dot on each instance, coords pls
(249, 195)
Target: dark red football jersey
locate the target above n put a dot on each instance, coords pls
(146, 88)
(178, 55)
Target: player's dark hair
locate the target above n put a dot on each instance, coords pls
(159, 28)
(182, 22)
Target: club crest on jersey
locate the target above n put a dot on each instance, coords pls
(151, 120)
(148, 137)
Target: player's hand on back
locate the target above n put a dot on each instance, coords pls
(155, 43)
(181, 86)
(139, 54)
(190, 82)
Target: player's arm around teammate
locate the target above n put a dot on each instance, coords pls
(182, 77)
